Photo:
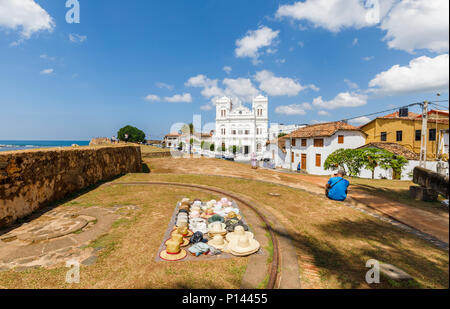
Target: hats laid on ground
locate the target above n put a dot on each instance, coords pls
(182, 222)
(216, 228)
(216, 218)
(197, 237)
(185, 207)
(232, 223)
(183, 211)
(194, 214)
(179, 239)
(199, 249)
(197, 203)
(218, 242)
(243, 246)
(173, 252)
(239, 231)
(198, 227)
(196, 208)
(183, 230)
(232, 215)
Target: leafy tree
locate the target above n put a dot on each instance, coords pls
(350, 160)
(188, 129)
(211, 147)
(180, 146)
(234, 149)
(394, 162)
(281, 135)
(131, 134)
(373, 157)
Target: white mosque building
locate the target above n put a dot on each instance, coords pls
(246, 129)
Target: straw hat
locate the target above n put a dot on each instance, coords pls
(179, 239)
(185, 207)
(243, 246)
(217, 228)
(218, 242)
(232, 215)
(194, 214)
(183, 230)
(173, 252)
(239, 231)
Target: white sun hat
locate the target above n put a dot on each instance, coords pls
(239, 232)
(217, 228)
(219, 242)
(243, 246)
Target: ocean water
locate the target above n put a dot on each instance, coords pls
(21, 145)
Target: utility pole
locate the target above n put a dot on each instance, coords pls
(423, 140)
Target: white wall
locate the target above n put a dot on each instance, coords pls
(352, 139)
(273, 151)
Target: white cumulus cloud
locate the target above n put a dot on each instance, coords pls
(26, 15)
(421, 75)
(277, 86)
(46, 72)
(360, 120)
(293, 109)
(152, 98)
(164, 85)
(418, 24)
(250, 45)
(227, 69)
(179, 98)
(343, 99)
(333, 15)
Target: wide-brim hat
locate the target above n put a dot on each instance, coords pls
(243, 246)
(239, 231)
(216, 218)
(197, 203)
(183, 211)
(183, 244)
(175, 231)
(218, 242)
(173, 257)
(185, 207)
(212, 231)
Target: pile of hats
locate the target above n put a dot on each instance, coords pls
(209, 229)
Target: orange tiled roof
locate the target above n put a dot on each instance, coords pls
(396, 115)
(173, 134)
(321, 129)
(395, 149)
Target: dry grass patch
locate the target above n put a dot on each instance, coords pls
(127, 253)
(339, 238)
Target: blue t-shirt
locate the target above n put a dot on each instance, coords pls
(338, 191)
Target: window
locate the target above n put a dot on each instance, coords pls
(223, 131)
(258, 148)
(318, 142)
(418, 135)
(293, 143)
(383, 136)
(304, 142)
(340, 139)
(247, 132)
(233, 132)
(223, 113)
(318, 160)
(259, 112)
(240, 132)
(432, 135)
(399, 136)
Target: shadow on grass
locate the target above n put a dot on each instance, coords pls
(42, 210)
(347, 265)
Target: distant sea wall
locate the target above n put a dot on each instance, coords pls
(31, 179)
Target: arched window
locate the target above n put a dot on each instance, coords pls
(259, 112)
(223, 113)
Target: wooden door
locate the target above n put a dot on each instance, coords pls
(292, 157)
(303, 161)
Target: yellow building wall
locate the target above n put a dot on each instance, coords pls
(408, 127)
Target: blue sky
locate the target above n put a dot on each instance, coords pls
(153, 63)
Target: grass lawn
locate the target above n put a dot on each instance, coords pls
(127, 253)
(150, 149)
(339, 238)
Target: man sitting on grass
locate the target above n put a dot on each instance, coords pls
(337, 187)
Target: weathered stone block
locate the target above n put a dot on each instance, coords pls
(423, 194)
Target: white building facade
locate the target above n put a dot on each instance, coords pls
(244, 128)
(310, 146)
